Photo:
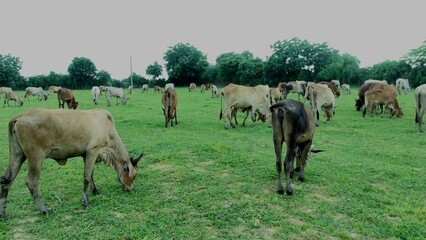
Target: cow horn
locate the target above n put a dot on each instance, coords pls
(136, 159)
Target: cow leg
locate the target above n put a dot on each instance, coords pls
(304, 151)
(246, 116)
(93, 187)
(288, 164)
(16, 160)
(35, 161)
(89, 164)
(278, 143)
(176, 122)
(228, 114)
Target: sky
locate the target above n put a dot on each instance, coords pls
(47, 34)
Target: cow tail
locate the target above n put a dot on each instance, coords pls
(220, 114)
(418, 106)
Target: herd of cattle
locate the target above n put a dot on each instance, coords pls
(39, 133)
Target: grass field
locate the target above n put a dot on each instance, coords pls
(199, 181)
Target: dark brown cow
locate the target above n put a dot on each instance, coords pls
(65, 96)
(292, 122)
(170, 102)
(42, 133)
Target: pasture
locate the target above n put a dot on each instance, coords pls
(199, 181)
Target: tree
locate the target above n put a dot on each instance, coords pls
(388, 70)
(343, 67)
(416, 59)
(9, 70)
(154, 70)
(185, 64)
(82, 72)
(103, 78)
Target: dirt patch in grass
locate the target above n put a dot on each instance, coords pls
(161, 167)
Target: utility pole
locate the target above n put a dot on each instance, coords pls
(131, 72)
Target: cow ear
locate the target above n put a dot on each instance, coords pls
(132, 171)
(136, 159)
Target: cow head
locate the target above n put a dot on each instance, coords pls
(74, 105)
(358, 104)
(130, 171)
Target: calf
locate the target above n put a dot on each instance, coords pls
(61, 134)
(333, 88)
(402, 85)
(95, 93)
(420, 96)
(14, 97)
(293, 123)
(157, 89)
(65, 96)
(170, 102)
(118, 93)
(379, 96)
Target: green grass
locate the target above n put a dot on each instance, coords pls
(199, 181)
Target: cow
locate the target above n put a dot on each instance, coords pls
(191, 87)
(420, 96)
(215, 92)
(170, 102)
(376, 81)
(242, 97)
(144, 88)
(14, 97)
(333, 88)
(402, 85)
(42, 133)
(359, 103)
(293, 123)
(203, 88)
(275, 94)
(157, 89)
(130, 89)
(323, 99)
(53, 89)
(95, 93)
(65, 95)
(346, 88)
(35, 91)
(115, 92)
(103, 89)
(337, 83)
(4, 90)
(384, 97)
(298, 87)
(169, 85)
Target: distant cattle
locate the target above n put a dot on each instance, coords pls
(145, 88)
(346, 88)
(14, 97)
(130, 89)
(60, 134)
(374, 97)
(293, 123)
(402, 85)
(215, 91)
(65, 95)
(103, 89)
(4, 90)
(298, 87)
(337, 83)
(420, 96)
(275, 95)
(95, 94)
(157, 89)
(118, 93)
(333, 88)
(169, 85)
(35, 91)
(242, 97)
(376, 81)
(53, 89)
(191, 87)
(170, 102)
(203, 88)
(323, 100)
(359, 103)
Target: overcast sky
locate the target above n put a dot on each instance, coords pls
(47, 34)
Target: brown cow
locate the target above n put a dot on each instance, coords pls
(14, 97)
(383, 97)
(65, 96)
(170, 102)
(42, 133)
(191, 87)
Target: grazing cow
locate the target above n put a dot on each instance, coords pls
(5, 90)
(337, 83)
(346, 88)
(34, 91)
(191, 87)
(376, 81)
(275, 94)
(157, 89)
(53, 89)
(247, 111)
(203, 88)
(420, 96)
(333, 88)
(293, 123)
(359, 103)
(208, 85)
(242, 97)
(145, 88)
(298, 87)
(103, 89)
(61, 134)
(95, 93)
(168, 86)
(115, 92)
(65, 95)
(170, 102)
(384, 97)
(402, 85)
(12, 96)
(215, 92)
(130, 89)
(323, 99)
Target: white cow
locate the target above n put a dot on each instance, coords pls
(169, 85)
(96, 91)
(115, 92)
(346, 88)
(144, 88)
(215, 92)
(337, 83)
(420, 96)
(402, 84)
(376, 81)
(35, 91)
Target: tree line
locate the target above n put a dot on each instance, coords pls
(293, 59)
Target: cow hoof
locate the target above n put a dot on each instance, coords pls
(289, 192)
(280, 192)
(46, 212)
(301, 179)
